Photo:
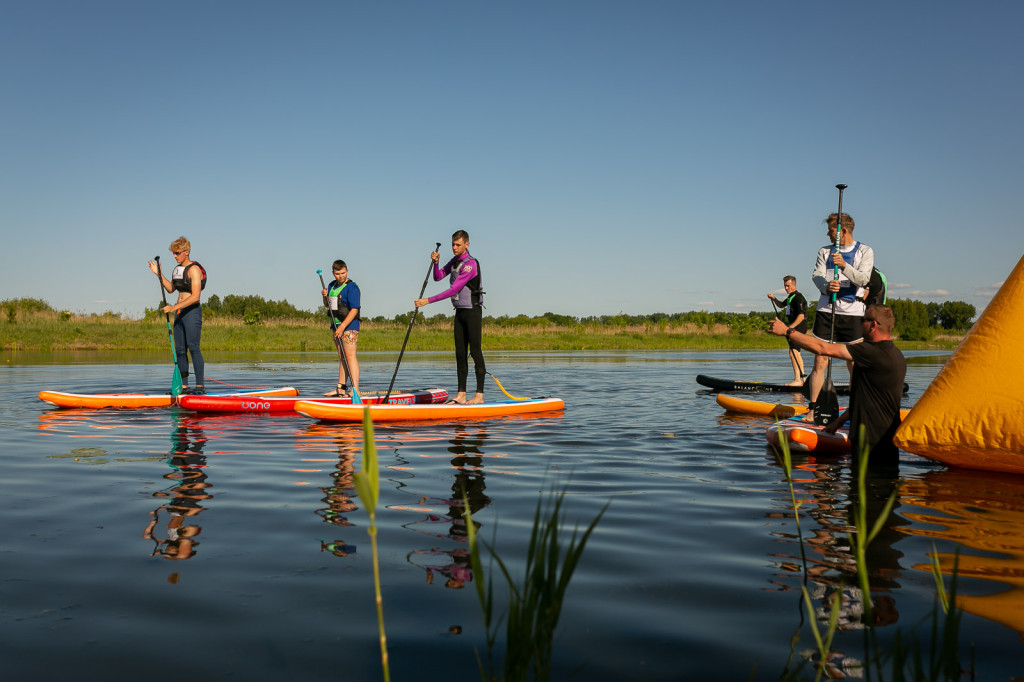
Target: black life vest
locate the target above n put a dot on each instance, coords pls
(182, 282)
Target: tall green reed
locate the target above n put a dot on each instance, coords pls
(367, 482)
(939, 660)
(534, 606)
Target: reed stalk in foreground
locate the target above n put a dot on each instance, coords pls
(367, 482)
(940, 660)
(533, 609)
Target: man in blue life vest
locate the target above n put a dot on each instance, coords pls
(466, 293)
(796, 318)
(855, 262)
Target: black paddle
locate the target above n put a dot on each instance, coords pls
(176, 383)
(827, 408)
(356, 400)
(430, 269)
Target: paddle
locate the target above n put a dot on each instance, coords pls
(430, 269)
(356, 400)
(827, 408)
(176, 383)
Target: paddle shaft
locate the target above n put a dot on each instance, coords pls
(338, 342)
(176, 381)
(430, 269)
(835, 271)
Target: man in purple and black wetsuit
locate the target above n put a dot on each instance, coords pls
(466, 292)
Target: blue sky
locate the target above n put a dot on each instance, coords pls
(605, 157)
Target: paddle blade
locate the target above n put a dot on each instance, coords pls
(176, 382)
(828, 404)
(356, 400)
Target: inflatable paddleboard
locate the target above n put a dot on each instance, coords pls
(133, 400)
(806, 437)
(382, 413)
(731, 385)
(760, 408)
(243, 403)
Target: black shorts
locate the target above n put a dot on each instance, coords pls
(849, 328)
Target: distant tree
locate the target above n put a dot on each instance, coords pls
(956, 315)
(911, 319)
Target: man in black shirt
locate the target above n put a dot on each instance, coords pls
(876, 387)
(796, 318)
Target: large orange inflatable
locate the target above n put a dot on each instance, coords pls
(972, 414)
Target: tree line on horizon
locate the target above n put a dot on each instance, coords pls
(915, 320)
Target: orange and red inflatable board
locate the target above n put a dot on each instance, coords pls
(972, 414)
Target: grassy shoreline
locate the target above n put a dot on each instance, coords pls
(53, 333)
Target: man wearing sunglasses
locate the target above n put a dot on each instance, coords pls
(876, 386)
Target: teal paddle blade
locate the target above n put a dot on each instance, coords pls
(176, 383)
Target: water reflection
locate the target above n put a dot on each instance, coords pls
(188, 488)
(979, 511)
(444, 518)
(340, 496)
(826, 562)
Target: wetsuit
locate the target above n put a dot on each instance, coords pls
(466, 292)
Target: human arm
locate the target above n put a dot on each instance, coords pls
(811, 343)
(164, 282)
(822, 262)
(468, 272)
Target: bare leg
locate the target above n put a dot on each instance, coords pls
(353, 363)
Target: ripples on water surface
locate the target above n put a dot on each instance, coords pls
(168, 545)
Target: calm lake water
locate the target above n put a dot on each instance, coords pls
(166, 545)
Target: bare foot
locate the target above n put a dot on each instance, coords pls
(477, 399)
(796, 382)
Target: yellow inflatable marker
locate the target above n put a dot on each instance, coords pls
(972, 414)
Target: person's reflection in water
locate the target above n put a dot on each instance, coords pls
(189, 487)
(830, 498)
(467, 484)
(340, 496)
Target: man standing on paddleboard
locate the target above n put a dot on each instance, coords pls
(876, 384)
(189, 279)
(855, 261)
(467, 295)
(796, 318)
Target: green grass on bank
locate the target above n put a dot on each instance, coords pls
(50, 331)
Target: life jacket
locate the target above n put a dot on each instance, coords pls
(471, 295)
(851, 295)
(338, 310)
(182, 282)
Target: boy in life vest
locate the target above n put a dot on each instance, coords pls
(342, 300)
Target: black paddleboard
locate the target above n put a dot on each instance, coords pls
(717, 384)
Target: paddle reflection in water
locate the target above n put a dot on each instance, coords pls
(826, 562)
(188, 488)
(980, 511)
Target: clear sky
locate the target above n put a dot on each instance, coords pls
(629, 156)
